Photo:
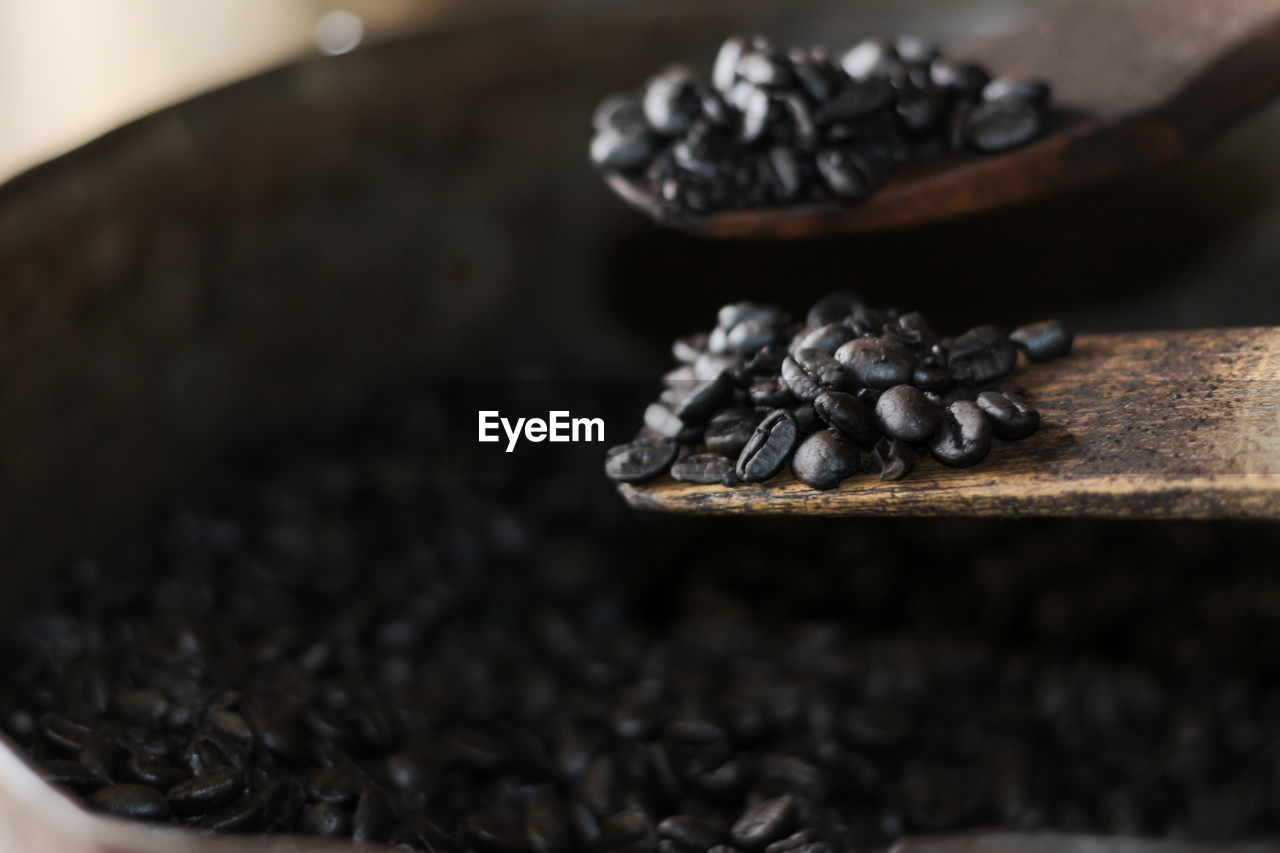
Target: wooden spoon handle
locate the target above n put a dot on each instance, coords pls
(1146, 425)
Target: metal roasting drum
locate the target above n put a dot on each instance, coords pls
(275, 245)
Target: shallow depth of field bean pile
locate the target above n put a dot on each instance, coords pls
(781, 127)
(851, 390)
(333, 638)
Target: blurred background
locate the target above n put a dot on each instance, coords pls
(70, 71)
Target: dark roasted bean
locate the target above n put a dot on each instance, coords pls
(1043, 341)
(770, 393)
(915, 49)
(139, 802)
(622, 152)
(101, 756)
(545, 827)
(631, 830)
(706, 469)
(206, 793)
(1035, 91)
(764, 823)
(966, 79)
(903, 412)
(660, 418)
(823, 460)
(981, 355)
(725, 72)
(847, 415)
(870, 58)
(68, 731)
(847, 174)
(640, 460)
(964, 436)
(728, 432)
(769, 447)
(671, 102)
(877, 363)
(827, 338)
(705, 399)
(151, 770)
(1004, 123)
(244, 815)
(810, 372)
(1011, 418)
(932, 378)
(760, 69)
(893, 459)
(834, 308)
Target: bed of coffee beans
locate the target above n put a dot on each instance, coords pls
(850, 390)
(778, 127)
(336, 636)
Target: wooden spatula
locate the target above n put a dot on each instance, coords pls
(1134, 87)
(1144, 425)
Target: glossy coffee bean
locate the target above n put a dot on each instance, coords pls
(847, 174)
(763, 823)
(725, 71)
(879, 363)
(1043, 341)
(848, 416)
(964, 436)
(981, 355)
(827, 338)
(823, 461)
(325, 820)
(893, 459)
(903, 412)
(705, 469)
(205, 793)
(769, 447)
(640, 461)
(810, 372)
(671, 102)
(139, 802)
(692, 833)
(1010, 417)
(870, 58)
(728, 432)
(703, 400)
(1035, 91)
(1004, 123)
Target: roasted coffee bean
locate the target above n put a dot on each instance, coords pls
(928, 377)
(205, 793)
(833, 308)
(671, 102)
(903, 412)
(751, 335)
(757, 112)
(68, 731)
(770, 393)
(893, 459)
(915, 49)
(1010, 417)
(849, 175)
(810, 372)
(870, 58)
(244, 815)
(769, 447)
(823, 461)
(706, 469)
(728, 432)
(764, 823)
(879, 363)
(151, 770)
(827, 338)
(126, 799)
(1043, 341)
(725, 72)
(703, 400)
(142, 705)
(966, 79)
(1004, 123)
(964, 436)
(1035, 91)
(692, 833)
(623, 151)
(688, 348)
(981, 355)
(545, 827)
(760, 69)
(785, 170)
(640, 461)
(848, 416)
(619, 113)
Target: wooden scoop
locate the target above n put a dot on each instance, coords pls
(1134, 87)
(1143, 425)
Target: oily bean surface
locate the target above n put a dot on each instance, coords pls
(769, 447)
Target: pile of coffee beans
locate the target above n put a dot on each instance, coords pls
(850, 390)
(781, 127)
(338, 636)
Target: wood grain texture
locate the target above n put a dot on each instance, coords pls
(1135, 87)
(1148, 425)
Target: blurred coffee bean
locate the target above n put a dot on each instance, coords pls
(763, 823)
(1007, 122)
(1043, 341)
(641, 460)
(205, 793)
(1011, 418)
(981, 355)
(706, 469)
(127, 799)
